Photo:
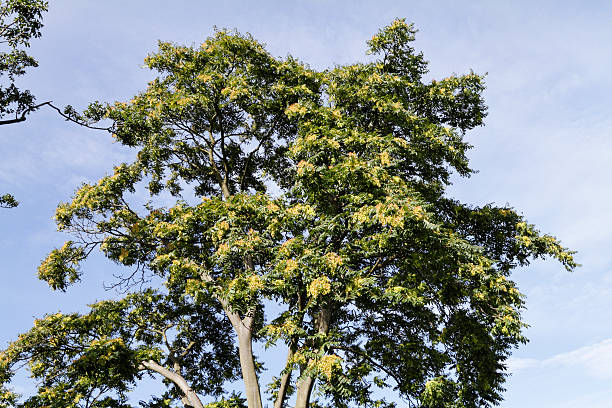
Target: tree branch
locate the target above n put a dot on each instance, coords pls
(177, 379)
(371, 361)
(71, 119)
(22, 118)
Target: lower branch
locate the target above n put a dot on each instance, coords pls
(22, 118)
(177, 379)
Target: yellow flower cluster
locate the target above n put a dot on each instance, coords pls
(327, 364)
(290, 266)
(333, 260)
(319, 286)
(295, 109)
(301, 210)
(223, 250)
(303, 168)
(255, 283)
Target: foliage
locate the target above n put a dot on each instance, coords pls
(8, 201)
(320, 201)
(20, 21)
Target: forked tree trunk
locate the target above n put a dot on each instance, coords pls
(242, 327)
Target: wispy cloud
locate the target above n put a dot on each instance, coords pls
(594, 360)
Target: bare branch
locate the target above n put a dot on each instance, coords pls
(22, 118)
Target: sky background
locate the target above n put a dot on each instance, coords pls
(546, 148)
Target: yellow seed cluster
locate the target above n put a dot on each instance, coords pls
(327, 364)
(298, 358)
(123, 254)
(290, 266)
(473, 269)
(319, 286)
(288, 328)
(390, 215)
(255, 283)
(418, 212)
(301, 210)
(333, 260)
(272, 207)
(303, 168)
(362, 215)
(223, 250)
(285, 248)
(385, 159)
(295, 109)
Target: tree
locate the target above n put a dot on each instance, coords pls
(321, 225)
(20, 21)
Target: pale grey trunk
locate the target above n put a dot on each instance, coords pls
(243, 329)
(303, 392)
(285, 380)
(247, 364)
(190, 398)
(306, 384)
(293, 344)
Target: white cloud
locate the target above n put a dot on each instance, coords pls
(516, 364)
(595, 360)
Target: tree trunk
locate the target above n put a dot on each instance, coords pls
(285, 380)
(293, 344)
(247, 364)
(305, 385)
(303, 392)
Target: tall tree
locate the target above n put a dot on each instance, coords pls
(20, 21)
(321, 225)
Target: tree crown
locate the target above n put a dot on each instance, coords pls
(322, 224)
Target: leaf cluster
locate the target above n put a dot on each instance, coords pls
(20, 21)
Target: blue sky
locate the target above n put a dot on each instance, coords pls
(546, 148)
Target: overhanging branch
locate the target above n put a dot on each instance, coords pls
(22, 118)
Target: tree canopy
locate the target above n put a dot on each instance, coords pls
(20, 21)
(310, 214)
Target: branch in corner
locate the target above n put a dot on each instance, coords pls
(68, 117)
